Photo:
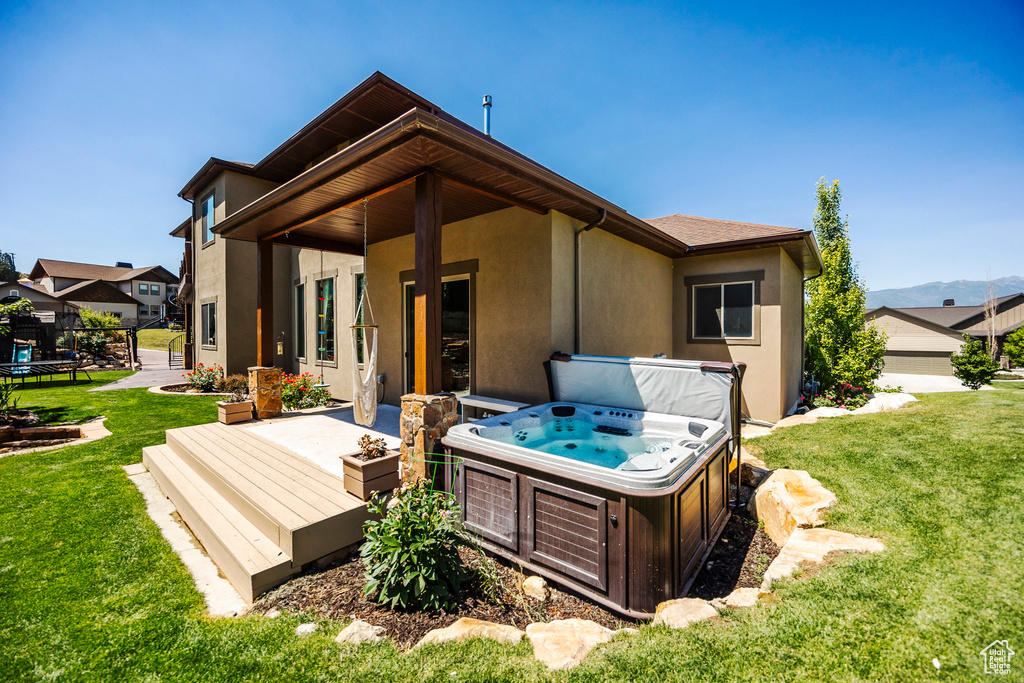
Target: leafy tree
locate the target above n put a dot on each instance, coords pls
(973, 365)
(1013, 347)
(8, 273)
(19, 306)
(841, 346)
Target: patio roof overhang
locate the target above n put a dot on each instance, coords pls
(323, 207)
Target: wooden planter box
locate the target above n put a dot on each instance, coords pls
(230, 413)
(364, 478)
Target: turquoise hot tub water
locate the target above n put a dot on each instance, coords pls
(586, 442)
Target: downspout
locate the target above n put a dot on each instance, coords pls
(576, 276)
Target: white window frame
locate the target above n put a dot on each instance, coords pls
(204, 327)
(721, 310)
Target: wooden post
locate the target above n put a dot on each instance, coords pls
(427, 344)
(264, 303)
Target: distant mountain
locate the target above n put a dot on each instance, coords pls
(964, 292)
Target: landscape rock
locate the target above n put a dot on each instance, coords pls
(751, 431)
(305, 629)
(788, 500)
(883, 403)
(683, 612)
(466, 628)
(820, 413)
(794, 420)
(536, 588)
(810, 547)
(738, 599)
(360, 631)
(564, 643)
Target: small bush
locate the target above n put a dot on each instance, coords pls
(234, 384)
(298, 391)
(973, 365)
(204, 379)
(842, 395)
(91, 318)
(412, 552)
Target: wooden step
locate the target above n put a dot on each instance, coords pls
(251, 561)
(303, 508)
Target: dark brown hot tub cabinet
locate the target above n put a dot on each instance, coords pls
(628, 549)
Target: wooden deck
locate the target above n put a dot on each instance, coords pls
(261, 511)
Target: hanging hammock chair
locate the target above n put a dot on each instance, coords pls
(364, 382)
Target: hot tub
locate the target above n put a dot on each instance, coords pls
(614, 499)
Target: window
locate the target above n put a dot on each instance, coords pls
(143, 288)
(360, 334)
(143, 310)
(154, 290)
(206, 217)
(209, 324)
(723, 311)
(15, 293)
(325, 320)
(300, 321)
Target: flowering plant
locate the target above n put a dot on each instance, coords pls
(300, 391)
(203, 378)
(412, 552)
(842, 395)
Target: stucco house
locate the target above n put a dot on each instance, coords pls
(921, 339)
(136, 295)
(480, 263)
(40, 299)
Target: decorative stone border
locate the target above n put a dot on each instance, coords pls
(161, 392)
(93, 430)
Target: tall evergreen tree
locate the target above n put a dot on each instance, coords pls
(8, 273)
(841, 347)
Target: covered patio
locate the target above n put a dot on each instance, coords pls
(422, 170)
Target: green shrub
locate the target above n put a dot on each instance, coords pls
(90, 342)
(234, 384)
(299, 391)
(203, 378)
(1013, 347)
(412, 552)
(973, 365)
(91, 318)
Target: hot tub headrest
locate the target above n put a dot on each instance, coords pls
(659, 385)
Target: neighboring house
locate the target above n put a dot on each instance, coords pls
(922, 339)
(41, 300)
(501, 260)
(140, 295)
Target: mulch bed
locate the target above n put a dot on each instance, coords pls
(337, 593)
(182, 389)
(738, 560)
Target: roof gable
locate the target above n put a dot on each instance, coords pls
(73, 270)
(96, 291)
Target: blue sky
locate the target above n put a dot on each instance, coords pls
(729, 111)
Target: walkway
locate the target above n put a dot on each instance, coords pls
(154, 373)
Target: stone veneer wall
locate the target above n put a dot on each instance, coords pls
(424, 422)
(265, 391)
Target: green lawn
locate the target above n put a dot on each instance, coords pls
(156, 339)
(90, 591)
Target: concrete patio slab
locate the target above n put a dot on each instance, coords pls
(154, 373)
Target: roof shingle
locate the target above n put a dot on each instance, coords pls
(697, 231)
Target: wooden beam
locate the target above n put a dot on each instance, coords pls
(493, 194)
(427, 337)
(347, 203)
(310, 242)
(264, 303)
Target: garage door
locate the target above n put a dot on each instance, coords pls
(918, 362)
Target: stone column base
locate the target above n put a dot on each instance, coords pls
(265, 391)
(425, 420)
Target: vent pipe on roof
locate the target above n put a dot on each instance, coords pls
(487, 115)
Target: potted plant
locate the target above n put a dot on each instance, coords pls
(238, 408)
(370, 469)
